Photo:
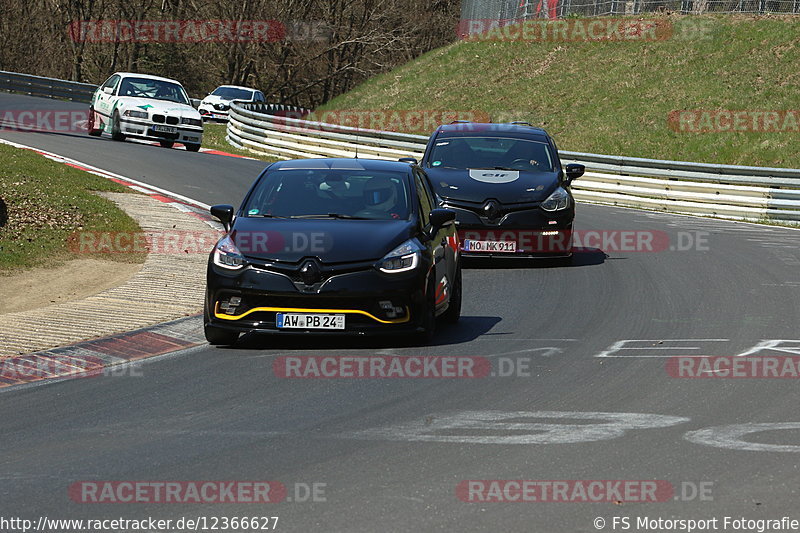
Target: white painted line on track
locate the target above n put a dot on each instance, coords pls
(621, 345)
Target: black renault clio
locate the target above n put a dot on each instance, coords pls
(511, 194)
(334, 246)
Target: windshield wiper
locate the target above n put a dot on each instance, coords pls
(492, 168)
(265, 215)
(331, 215)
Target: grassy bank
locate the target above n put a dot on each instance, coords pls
(46, 202)
(616, 97)
(214, 139)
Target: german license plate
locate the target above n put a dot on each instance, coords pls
(165, 129)
(308, 321)
(489, 246)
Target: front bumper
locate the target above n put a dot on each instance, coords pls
(145, 129)
(536, 233)
(210, 113)
(358, 295)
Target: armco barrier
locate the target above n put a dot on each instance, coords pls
(725, 191)
(14, 82)
(46, 87)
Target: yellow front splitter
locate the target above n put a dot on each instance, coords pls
(223, 316)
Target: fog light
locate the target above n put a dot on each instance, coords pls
(389, 309)
(549, 233)
(229, 306)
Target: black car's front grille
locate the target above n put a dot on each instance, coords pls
(160, 119)
(292, 270)
(477, 207)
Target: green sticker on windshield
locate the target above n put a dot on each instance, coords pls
(253, 212)
(436, 163)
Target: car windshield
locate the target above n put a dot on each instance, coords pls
(491, 153)
(156, 89)
(330, 193)
(232, 93)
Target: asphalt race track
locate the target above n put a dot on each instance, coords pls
(590, 395)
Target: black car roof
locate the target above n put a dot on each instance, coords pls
(483, 129)
(343, 163)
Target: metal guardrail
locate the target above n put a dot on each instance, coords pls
(15, 82)
(725, 191)
(530, 9)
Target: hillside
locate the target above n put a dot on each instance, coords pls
(616, 97)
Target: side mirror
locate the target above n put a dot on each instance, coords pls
(574, 171)
(108, 90)
(412, 160)
(224, 213)
(440, 217)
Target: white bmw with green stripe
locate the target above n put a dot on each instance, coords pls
(146, 107)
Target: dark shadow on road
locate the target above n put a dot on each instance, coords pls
(580, 258)
(466, 330)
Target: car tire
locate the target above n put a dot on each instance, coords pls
(428, 324)
(453, 312)
(116, 130)
(91, 123)
(220, 337)
(166, 144)
(192, 147)
(217, 336)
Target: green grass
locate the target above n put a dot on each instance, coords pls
(615, 97)
(46, 202)
(214, 138)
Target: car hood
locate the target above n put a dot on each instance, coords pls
(332, 240)
(151, 105)
(214, 99)
(506, 186)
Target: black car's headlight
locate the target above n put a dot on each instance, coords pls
(227, 255)
(192, 121)
(557, 201)
(402, 259)
(135, 114)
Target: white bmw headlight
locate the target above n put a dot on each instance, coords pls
(402, 259)
(135, 114)
(557, 201)
(227, 255)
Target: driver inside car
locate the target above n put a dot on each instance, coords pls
(380, 199)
